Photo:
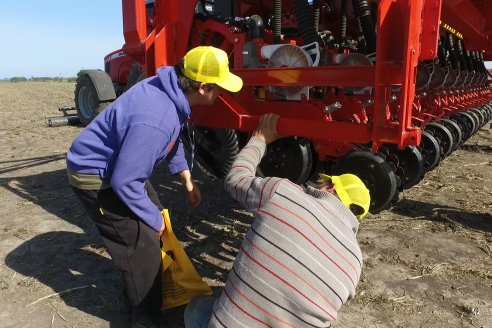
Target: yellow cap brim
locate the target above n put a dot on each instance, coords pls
(233, 83)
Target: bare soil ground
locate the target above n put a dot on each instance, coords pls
(427, 260)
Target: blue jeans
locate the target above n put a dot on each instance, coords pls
(198, 312)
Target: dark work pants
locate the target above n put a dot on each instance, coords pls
(134, 246)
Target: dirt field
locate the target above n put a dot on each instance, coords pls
(427, 260)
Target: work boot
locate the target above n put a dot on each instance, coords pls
(142, 319)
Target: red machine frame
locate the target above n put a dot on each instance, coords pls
(397, 58)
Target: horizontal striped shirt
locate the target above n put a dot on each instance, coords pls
(300, 260)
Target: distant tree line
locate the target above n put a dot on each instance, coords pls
(41, 79)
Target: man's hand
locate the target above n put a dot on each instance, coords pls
(191, 190)
(267, 128)
(161, 230)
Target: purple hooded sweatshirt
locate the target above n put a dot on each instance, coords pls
(130, 137)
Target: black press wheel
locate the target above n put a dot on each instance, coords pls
(443, 135)
(476, 119)
(465, 128)
(87, 102)
(468, 121)
(455, 130)
(375, 172)
(480, 115)
(431, 150)
(290, 158)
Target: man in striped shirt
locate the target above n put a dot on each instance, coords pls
(300, 260)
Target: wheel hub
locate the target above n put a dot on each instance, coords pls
(289, 158)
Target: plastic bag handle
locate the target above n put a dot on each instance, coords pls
(167, 220)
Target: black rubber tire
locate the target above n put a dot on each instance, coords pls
(135, 77)
(470, 122)
(87, 102)
(431, 151)
(375, 172)
(455, 130)
(475, 118)
(443, 135)
(463, 125)
(480, 115)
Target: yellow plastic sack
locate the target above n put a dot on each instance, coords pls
(180, 281)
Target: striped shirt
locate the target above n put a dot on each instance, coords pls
(300, 260)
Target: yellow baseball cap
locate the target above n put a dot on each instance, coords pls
(208, 64)
(352, 192)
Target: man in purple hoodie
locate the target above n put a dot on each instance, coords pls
(111, 160)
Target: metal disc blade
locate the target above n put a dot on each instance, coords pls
(412, 163)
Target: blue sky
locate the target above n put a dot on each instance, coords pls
(57, 37)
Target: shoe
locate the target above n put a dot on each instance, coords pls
(146, 320)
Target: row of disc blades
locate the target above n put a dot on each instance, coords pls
(392, 170)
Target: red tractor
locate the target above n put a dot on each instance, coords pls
(381, 89)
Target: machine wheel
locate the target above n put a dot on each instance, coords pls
(375, 172)
(411, 162)
(468, 120)
(215, 149)
(135, 76)
(455, 132)
(463, 125)
(480, 115)
(290, 158)
(443, 135)
(486, 110)
(431, 151)
(87, 103)
(476, 119)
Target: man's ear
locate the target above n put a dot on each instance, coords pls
(202, 89)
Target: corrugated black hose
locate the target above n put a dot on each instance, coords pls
(441, 52)
(461, 55)
(455, 63)
(305, 22)
(277, 20)
(363, 11)
(343, 23)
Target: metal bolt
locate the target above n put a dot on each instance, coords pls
(391, 99)
(332, 108)
(367, 103)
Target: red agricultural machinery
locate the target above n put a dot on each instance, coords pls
(382, 89)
